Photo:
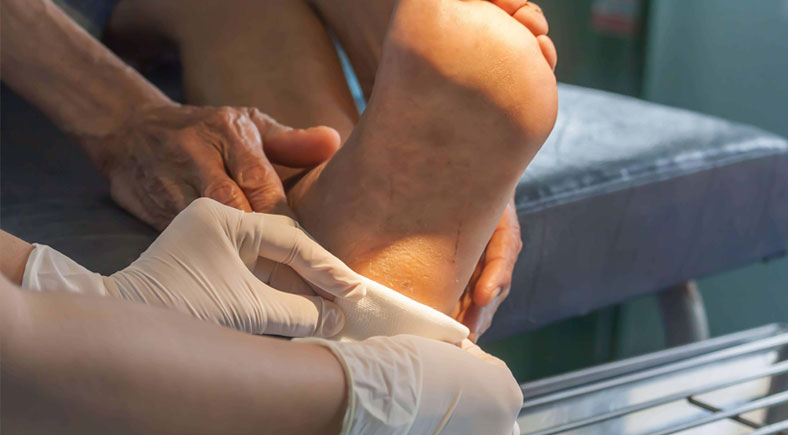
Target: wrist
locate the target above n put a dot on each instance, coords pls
(102, 142)
(14, 257)
(49, 270)
(70, 76)
(343, 414)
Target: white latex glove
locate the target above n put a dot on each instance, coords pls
(202, 265)
(412, 385)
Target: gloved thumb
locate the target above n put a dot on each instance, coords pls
(292, 315)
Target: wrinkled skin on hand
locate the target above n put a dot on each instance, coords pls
(162, 159)
(492, 280)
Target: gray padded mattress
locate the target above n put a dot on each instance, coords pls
(629, 197)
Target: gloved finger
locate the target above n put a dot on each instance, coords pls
(281, 277)
(251, 170)
(214, 183)
(278, 219)
(516, 429)
(295, 148)
(278, 275)
(292, 315)
(293, 247)
(477, 351)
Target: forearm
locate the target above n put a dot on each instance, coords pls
(76, 364)
(13, 257)
(51, 61)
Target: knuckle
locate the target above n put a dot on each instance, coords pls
(224, 114)
(225, 119)
(164, 192)
(259, 116)
(223, 191)
(255, 173)
(266, 201)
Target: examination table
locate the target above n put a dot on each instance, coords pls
(626, 198)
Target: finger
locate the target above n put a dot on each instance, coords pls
(470, 318)
(217, 185)
(151, 208)
(164, 195)
(499, 258)
(532, 17)
(251, 170)
(292, 247)
(461, 308)
(478, 319)
(292, 315)
(128, 201)
(548, 50)
(295, 148)
(494, 281)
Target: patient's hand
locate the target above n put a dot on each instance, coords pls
(492, 279)
(164, 158)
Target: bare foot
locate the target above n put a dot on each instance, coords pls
(464, 98)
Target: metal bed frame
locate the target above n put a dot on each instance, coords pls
(727, 385)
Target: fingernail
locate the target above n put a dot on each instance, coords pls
(333, 320)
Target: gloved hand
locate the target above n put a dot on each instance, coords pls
(202, 265)
(408, 384)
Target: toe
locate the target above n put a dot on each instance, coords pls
(510, 6)
(530, 15)
(548, 50)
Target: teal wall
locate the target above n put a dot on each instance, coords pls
(727, 58)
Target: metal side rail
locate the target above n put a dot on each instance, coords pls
(736, 384)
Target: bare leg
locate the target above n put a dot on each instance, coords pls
(361, 26)
(462, 102)
(273, 55)
(415, 198)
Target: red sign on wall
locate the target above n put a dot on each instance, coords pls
(617, 17)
